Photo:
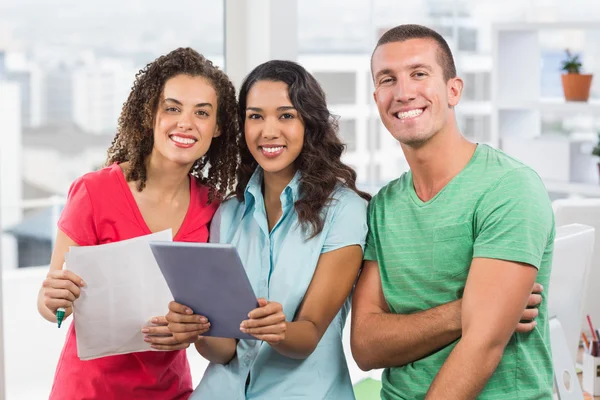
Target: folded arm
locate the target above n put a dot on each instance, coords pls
(495, 295)
(381, 339)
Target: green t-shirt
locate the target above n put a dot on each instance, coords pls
(494, 208)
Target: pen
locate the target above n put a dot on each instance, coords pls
(585, 342)
(60, 315)
(592, 328)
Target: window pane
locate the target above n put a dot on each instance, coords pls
(347, 131)
(339, 87)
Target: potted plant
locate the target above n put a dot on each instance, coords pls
(576, 85)
(596, 151)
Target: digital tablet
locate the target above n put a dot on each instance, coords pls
(211, 280)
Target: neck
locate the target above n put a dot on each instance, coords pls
(166, 179)
(436, 162)
(273, 185)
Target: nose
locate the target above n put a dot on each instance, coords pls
(270, 129)
(185, 121)
(404, 91)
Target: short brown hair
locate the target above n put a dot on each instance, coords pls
(402, 33)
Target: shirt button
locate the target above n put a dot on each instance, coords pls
(247, 360)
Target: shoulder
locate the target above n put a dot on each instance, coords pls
(500, 166)
(511, 174)
(94, 185)
(344, 195)
(230, 206)
(347, 199)
(393, 190)
(201, 195)
(493, 171)
(226, 220)
(101, 179)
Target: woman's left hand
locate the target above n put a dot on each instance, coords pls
(160, 337)
(267, 322)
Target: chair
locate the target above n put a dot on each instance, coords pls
(565, 377)
(573, 248)
(587, 212)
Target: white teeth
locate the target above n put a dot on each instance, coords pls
(410, 114)
(181, 140)
(272, 149)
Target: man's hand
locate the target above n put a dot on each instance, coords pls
(528, 323)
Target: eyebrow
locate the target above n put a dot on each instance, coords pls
(412, 67)
(420, 66)
(282, 108)
(170, 100)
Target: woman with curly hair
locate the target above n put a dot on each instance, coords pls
(173, 158)
(299, 224)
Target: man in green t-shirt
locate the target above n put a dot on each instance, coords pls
(454, 246)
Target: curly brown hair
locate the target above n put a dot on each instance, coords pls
(320, 159)
(134, 139)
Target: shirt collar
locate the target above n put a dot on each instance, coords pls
(254, 188)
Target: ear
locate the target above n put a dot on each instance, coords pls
(217, 132)
(455, 88)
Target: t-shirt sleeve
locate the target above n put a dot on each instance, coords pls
(77, 218)
(348, 223)
(371, 246)
(514, 220)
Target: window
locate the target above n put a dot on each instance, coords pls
(375, 132)
(467, 39)
(477, 128)
(339, 87)
(477, 86)
(347, 131)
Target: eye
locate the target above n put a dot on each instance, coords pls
(202, 113)
(253, 116)
(171, 109)
(420, 74)
(287, 116)
(385, 80)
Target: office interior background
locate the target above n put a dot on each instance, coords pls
(66, 67)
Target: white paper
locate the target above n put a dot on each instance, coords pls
(124, 290)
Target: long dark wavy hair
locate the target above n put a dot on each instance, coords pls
(320, 159)
(135, 134)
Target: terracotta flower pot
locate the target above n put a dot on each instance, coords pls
(577, 86)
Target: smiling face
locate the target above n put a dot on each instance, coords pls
(413, 98)
(186, 120)
(274, 130)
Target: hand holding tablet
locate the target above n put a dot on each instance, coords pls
(211, 281)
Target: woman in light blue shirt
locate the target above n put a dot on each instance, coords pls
(299, 225)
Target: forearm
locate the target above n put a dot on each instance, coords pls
(216, 350)
(301, 339)
(467, 370)
(386, 340)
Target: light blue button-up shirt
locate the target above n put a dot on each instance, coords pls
(280, 265)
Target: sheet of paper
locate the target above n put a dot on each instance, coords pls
(124, 290)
